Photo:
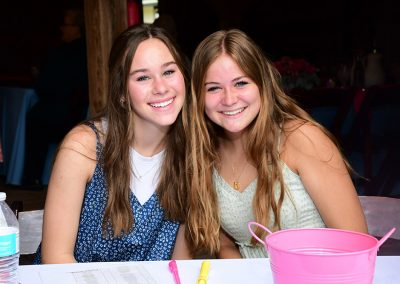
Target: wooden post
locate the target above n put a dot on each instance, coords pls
(104, 20)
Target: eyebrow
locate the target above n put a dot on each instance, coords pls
(234, 80)
(210, 83)
(144, 69)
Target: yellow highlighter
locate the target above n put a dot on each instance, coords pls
(205, 268)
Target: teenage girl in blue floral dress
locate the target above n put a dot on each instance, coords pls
(117, 190)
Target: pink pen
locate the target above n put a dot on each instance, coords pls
(174, 270)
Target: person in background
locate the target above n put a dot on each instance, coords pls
(62, 87)
(256, 155)
(117, 191)
(1, 153)
(167, 22)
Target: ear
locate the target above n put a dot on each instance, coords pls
(122, 101)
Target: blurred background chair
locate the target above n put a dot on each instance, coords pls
(30, 234)
(15, 103)
(331, 107)
(382, 214)
(30, 230)
(372, 144)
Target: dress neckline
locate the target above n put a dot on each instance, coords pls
(230, 187)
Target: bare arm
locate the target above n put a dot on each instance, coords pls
(181, 251)
(310, 153)
(73, 168)
(228, 247)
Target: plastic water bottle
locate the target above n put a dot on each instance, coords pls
(9, 243)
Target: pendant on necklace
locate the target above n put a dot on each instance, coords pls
(236, 185)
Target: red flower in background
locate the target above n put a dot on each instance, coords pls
(297, 73)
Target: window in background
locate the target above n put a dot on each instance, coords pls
(150, 11)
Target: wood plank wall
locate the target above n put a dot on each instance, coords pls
(105, 19)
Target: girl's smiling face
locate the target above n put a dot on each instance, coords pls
(156, 86)
(232, 99)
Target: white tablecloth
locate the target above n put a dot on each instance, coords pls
(243, 271)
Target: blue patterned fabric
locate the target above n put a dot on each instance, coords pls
(152, 238)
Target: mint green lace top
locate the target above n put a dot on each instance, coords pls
(298, 210)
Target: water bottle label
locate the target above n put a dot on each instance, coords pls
(9, 241)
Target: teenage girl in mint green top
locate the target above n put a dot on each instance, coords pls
(256, 155)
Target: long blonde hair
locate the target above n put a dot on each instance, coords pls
(115, 158)
(203, 222)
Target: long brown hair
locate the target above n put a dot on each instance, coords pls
(262, 147)
(119, 136)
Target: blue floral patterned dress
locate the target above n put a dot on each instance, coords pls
(152, 238)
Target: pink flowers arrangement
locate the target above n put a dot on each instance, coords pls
(297, 73)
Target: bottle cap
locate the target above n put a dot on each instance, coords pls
(3, 196)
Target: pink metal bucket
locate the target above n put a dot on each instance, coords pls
(321, 255)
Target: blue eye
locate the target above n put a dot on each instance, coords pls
(142, 78)
(213, 89)
(241, 84)
(169, 72)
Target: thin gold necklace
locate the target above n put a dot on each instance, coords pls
(140, 175)
(236, 183)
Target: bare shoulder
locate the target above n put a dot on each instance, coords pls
(306, 140)
(81, 139)
(305, 132)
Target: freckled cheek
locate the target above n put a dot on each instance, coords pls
(210, 104)
(208, 114)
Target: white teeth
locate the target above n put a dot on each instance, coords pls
(163, 104)
(233, 112)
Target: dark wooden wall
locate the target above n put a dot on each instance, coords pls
(104, 21)
(326, 33)
(30, 29)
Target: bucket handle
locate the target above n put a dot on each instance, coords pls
(385, 237)
(253, 234)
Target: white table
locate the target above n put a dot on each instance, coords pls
(248, 271)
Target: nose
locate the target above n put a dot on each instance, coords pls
(230, 97)
(159, 86)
